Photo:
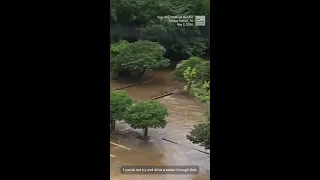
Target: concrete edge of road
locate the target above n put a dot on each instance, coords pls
(133, 84)
(163, 95)
(184, 146)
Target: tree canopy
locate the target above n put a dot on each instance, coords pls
(200, 135)
(119, 103)
(199, 67)
(134, 20)
(147, 114)
(136, 58)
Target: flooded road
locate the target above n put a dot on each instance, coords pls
(184, 112)
(153, 84)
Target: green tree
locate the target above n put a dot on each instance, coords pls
(137, 58)
(138, 19)
(190, 77)
(199, 67)
(115, 50)
(184, 42)
(119, 103)
(201, 90)
(147, 114)
(200, 135)
(178, 73)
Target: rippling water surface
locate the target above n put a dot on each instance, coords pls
(184, 112)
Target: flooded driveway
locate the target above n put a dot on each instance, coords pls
(184, 112)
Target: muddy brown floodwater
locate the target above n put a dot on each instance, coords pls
(184, 112)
